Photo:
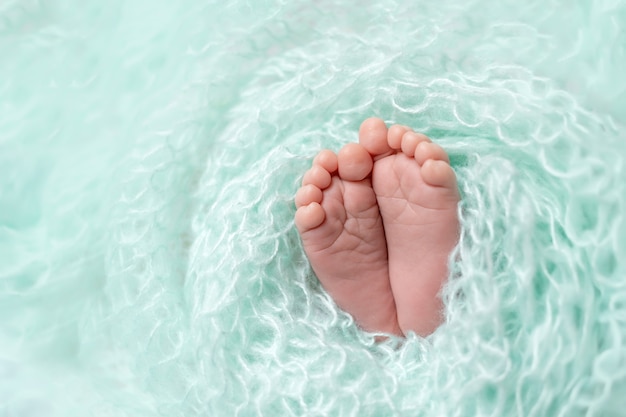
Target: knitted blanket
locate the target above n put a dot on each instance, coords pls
(149, 155)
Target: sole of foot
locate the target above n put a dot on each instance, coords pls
(342, 233)
(417, 195)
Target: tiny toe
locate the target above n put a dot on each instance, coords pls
(318, 176)
(410, 141)
(308, 194)
(373, 136)
(439, 174)
(309, 217)
(394, 136)
(327, 160)
(429, 150)
(355, 162)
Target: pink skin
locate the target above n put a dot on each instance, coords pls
(378, 222)
(342, 232)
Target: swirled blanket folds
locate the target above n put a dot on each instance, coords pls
(149, 155)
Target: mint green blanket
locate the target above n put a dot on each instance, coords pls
(149, 154)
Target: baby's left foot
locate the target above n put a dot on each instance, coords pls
(343, 237)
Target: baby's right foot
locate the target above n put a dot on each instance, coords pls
(343, 237)
(417, 195)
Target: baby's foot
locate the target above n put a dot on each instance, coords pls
(343, 237)
(417, 194)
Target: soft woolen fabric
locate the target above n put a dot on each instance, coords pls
(149, 155)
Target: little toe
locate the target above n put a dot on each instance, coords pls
(308, 194)
(439, 174)
(318, 176)
(410, 142)
(327, 160)
(309, 217)
(355, 162)
(373, 136)
(428, 150)
(394, 136)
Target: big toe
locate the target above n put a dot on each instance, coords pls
(373, 136)
(355, 162)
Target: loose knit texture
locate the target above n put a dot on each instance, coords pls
(149, 154)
